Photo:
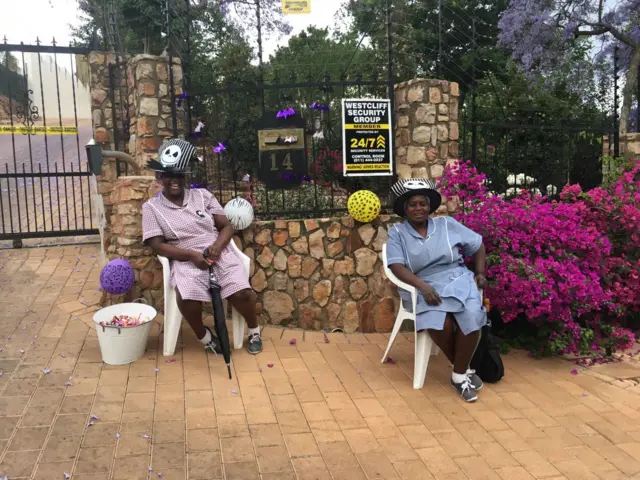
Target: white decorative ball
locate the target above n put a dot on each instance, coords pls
(239, 212)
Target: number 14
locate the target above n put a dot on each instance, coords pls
(286, 163)
(363, 142)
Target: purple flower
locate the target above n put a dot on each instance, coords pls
(288, 112)
(574, 372)
(220, 148)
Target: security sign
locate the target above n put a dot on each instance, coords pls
(367, 142)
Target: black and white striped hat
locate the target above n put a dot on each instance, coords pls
(405, 189)
(174, 156)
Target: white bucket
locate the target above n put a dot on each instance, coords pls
(122, 345)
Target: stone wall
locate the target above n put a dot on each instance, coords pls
(322, 274)
(426, 127)
(150, 100)
(629, 144)
(124, 240)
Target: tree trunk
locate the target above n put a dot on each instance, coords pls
(629, 88)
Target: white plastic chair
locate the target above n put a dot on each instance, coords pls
(424, 346)
(173, 317)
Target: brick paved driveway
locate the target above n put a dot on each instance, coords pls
(313, 410)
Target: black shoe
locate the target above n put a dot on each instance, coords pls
(255, 344)
(214, 345)
(466, 391)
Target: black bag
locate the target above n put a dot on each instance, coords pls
(486, 360)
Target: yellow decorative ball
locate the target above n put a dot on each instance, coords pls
(364, 206)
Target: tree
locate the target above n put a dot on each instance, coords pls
(542, 33)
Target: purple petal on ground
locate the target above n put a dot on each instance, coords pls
(160, 475)
(62, 355)
(270, 365)
(117, 435)
(94, 417)
(89, 424)
(150, 469)
(293, 341)
(235, 392)
(574, 372)
(68, 384)
(156, 369)
(21, 351)
(391, 360)
(585, 394)
(1, 373)
(66, 475)
(46, 371)
(145, 436)
(171, 360)
(326, 339)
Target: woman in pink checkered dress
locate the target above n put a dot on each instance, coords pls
(181, 224)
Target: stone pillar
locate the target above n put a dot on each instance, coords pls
(125, 240)
(150, 99)
(102, 116)
(426, 127)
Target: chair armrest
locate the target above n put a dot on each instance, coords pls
(413, 291)
(164, 261)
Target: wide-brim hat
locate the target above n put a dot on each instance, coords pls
(405, 189)
(173, 157)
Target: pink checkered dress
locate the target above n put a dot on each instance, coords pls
(191, 227)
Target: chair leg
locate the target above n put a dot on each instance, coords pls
(172, 322)
(424, 345)
(394, 334)
(238, 328)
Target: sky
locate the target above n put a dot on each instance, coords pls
(45, 19)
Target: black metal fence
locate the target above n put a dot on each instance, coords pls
(233, 113)
(539, 158)
(45, 122)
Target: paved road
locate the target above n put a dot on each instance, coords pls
(49, 203)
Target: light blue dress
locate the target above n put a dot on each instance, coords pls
(438, 259)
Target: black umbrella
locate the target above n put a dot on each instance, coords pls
(219, 317)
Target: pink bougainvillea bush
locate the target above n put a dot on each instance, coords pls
(570, 268)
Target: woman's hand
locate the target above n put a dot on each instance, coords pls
(481, 281)
(214, 252)
(430, 295)
(199, 261)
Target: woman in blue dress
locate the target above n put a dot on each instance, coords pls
(428, 253)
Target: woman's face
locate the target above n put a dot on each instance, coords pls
(173, 184)
(417, 209)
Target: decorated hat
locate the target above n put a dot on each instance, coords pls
(174, 156)
(405, 189)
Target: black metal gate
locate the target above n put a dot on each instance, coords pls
(45, 121)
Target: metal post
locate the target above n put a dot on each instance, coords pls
(638, 101)
(439, 66)
(187, 70)
(474, 127)
(390, 75)
(260, 64)
(172, 87)
(616, 123)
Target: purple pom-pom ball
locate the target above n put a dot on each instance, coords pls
(117, 277)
